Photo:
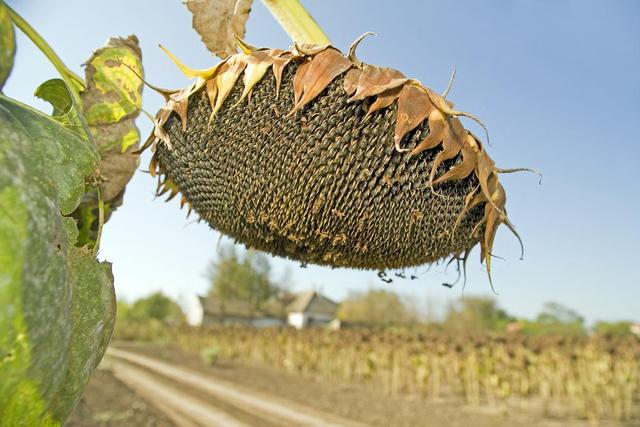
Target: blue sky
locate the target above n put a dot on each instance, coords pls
(556, 82)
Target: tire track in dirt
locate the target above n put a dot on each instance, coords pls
(181, 408)
(274, 411)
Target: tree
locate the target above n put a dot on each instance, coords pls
(155, 306)
(473, 314)
(377, 307)
(613, 329)
(556, 319)
(241, 278)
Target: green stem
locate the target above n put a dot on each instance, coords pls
(74, 81)
(296, 21)
(96, 246)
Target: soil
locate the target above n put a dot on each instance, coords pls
(107, 402)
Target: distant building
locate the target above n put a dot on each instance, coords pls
(311, 308)
(216, 313)
(635, 329)
(300, 310)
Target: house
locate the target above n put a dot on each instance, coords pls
(310, 308)
(233, 313)
(300, 310)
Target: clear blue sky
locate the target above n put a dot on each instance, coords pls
(556, 82)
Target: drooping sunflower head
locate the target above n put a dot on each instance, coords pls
(315, 156)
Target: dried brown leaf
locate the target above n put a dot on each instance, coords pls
(374, 80)
(464, 168)
(384, 99)
(226, 79)
(413, 108)
(299, 79)
(323, 69)
(452, 143)
(257, 64)
(280, 60)
(217, 21)
(351, 80)
(437, 126)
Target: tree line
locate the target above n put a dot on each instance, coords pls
(246, 278)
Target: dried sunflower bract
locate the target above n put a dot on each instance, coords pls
(315, 156)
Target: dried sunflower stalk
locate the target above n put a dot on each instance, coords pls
(315, 156)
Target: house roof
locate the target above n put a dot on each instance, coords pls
(214, 307)
(312, 301)
(277, 307)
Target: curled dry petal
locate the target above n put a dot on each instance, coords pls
(451, 145)
(350, 82)
(226, 79)
(374, 80)
(257, 65)
(466, 166)
(325, 67)
(437, 125)
(413, 107)
(384, 99)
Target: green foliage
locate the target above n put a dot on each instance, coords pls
(57, 304)
(244, 278)
(155, 306)
(209, 355)
(376, 307)
(7, 44)
(613, 329)
(555, 319)
(56, 93)
(56, 300)
(476, 314)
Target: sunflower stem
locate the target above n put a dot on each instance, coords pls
(296, 21)
(96, 246)
(74, 81)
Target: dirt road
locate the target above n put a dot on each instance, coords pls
(190, 398)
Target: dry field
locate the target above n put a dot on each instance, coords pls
(588, 378)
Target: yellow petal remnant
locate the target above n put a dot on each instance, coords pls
(187, 71)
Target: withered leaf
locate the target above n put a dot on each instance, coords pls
(413, 107)
(374, 80)
(384, 99)
(323, 68)
(466, 166)
(217, 21)
(351, 80)
(280, 60)
(257, 64)
(111, 102)
(451, 145)
(437, 129)
(226, 79)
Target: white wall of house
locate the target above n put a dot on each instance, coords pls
(194, 311)
(302, 320)
(297, 320)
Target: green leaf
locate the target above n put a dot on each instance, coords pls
(93, 312)
(7, 44)
(56, 300)
(56, 93)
